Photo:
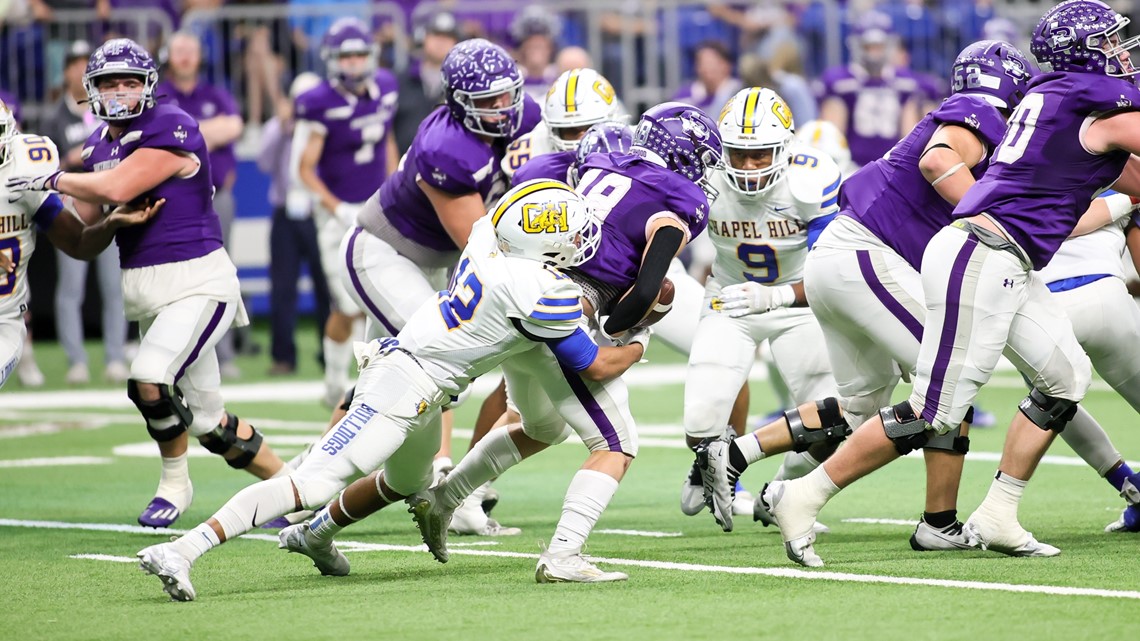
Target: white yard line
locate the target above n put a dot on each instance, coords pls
(786, 573)
(905, 522)
(648, 534)
(56, 461)
(105, 557)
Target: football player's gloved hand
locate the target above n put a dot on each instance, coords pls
(18, 184)
(346, 214)
(639, 335)
(748, 298)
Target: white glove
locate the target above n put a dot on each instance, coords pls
(346, 214)
(748, 298)
(17, 184)
(638, 335)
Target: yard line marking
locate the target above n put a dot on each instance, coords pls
(650, 534)
(56, 461)
(785, 573)
(105, 557)
(882, 521)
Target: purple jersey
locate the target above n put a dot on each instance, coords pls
(448, 157)
(354, 159)
(628, 193)
(892, 198)
(186, 227)
(1041, 179)
(874, 106)
(202, 103)
(553, 166)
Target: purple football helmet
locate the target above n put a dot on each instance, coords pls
(1083, 36)
(601, 138)
(476, 70)
(348, 37)
(120, 57)
(682, 137)
(872, 29)
(994, 70)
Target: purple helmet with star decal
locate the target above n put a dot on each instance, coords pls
(120, 57)
(1083, 36)
(602, 138)
(475, 72)
(682, 137)
(994, 70)
(348, 37)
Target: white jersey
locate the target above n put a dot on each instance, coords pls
(1100, 252)
(30, 155)
(498, 306)
(763, 238)
(535, 143)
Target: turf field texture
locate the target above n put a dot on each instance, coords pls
(77, 467)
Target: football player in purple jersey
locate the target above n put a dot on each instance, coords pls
(346, 150)
(1072, 136)
(178, 281)
(872, 101)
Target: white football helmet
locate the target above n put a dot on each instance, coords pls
(8, 132)
(826, 137)
(545, 220)
(756, 118)
(578, 99)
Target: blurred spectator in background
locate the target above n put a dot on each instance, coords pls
(781, 73)
(872, 101)
(292, 234)
(221, 125)
(920, 33)
(1002, 29)
(68, 125)
(572, 58)
(715, 83)
(697, 25)
(764, 26)
(421, 84)
(964, 22)
(535, 32)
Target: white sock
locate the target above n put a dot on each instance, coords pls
(197, 542)
(1090, 442)
(1003, 498)
(796, 465)
(174, 483)
(586, 498)
(255, 506)
(818, 487)
(337, 358)
(323, 527)
(749, 446)
(491, 456)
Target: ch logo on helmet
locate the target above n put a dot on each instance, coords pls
(780, 108)
(545, 218)
(1062, 38)
(693, 127)
(605, 90)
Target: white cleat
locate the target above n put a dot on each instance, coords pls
(719, 489)
(796, 522)
(760, 513)
(955, 536)
(432, 521)
(173, 569)
(742, 503)
(470, 519)
(77, 374)
(572, 569)
(1010, 539)
(325, 556)
(692, 493)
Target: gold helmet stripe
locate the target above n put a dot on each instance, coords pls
(523, 193)
(750, 110)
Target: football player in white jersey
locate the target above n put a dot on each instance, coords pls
(578, 99)
(826, 137)
(775, 196)
(24, 213)
(507, 298)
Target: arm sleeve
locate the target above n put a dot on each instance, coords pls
(636, 304)
(48, 209)
(576, 351)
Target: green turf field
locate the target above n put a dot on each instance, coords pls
(689, 582)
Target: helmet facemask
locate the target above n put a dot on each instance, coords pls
(494, 122)
(1112, 44)
(115, 106)
(8, 132)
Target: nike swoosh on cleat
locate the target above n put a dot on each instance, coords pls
(253, 521)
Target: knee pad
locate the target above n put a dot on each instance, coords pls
(225, 436)
(833, 427)
(906, 430)
(170, 404)
(951, 441)
(551, 433)
(347, 403)
(1048, 412)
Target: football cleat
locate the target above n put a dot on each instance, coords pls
(692, 492)
(573, 568)
(173, 569)
(324, 554)
(159, 513)
(1129, 521)
(796, 523)
(718, 480)
(760, 513)
(470, 519)
(433, 522)
(1010, 539)
(927, 538)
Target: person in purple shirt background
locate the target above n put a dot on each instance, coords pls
(178, 281)
(535, 32)
(715, 82)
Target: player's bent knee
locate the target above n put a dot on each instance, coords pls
(832, 429)
(549, 433)
(1048, 412)
(315, 491)
(904, 428)
(168, 417)
(224, 438)
(951, 441)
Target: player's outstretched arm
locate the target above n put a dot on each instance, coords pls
(947, 160)
(141, 171)
(1104, 211)
(612, 362)
(85, 241)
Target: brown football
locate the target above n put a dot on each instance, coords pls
(662, 306)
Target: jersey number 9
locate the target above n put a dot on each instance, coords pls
(759, 258)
